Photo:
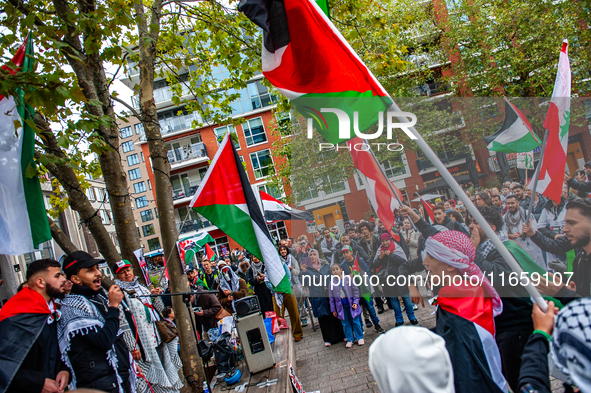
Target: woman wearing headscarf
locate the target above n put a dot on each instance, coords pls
(314, 277)
(256, 278)
(159, 361)
(231, 288)
(466, 305)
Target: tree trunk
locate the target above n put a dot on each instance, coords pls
(148, 37)
(61, 238)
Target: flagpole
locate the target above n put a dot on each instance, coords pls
(451, 181)
(536, 177)
(388, 180)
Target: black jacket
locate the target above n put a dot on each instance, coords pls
(453, 226)
(581, 266)
(389, 265)
(582, 187)
(88, 351)
(371, 247)
(338, 258)
(534, 364)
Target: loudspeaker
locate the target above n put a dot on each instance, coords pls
(255, 342)
(247, 305)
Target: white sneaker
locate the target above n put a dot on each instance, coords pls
(415, 307)
(349, 345)
(361, 342)
(327, 344)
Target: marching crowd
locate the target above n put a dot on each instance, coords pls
(62, 329)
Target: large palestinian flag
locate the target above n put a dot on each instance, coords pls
(226, 199)
(557, 122)
(465, 320)
(515, 135)
(307, 59)
(22, 320)
(275, 210)
(23, 218)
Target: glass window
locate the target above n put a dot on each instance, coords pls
(259, 95)
(220, 132)
(273, 191)
(222, 246)
(262, 163)
(254, 132)
(154, 244)
(127, 146)
(143, 159)
(105, 217)
(196, 138)
(139, 187)
(146, 215)
(156, 212)
(126, 132)
(148, 230)
(138, 232)
(100, 192)
(139, 128)
(278, 231)
(133, 159)
(134, 174)
(90, 194)
(149, 184)
(141, 202)
(392, 171)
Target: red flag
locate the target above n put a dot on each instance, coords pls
(429, 216)
(209, 252)
(378, 190)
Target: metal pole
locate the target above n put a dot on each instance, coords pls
(451, 181)
(536, 177)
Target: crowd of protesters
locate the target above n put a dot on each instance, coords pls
(63, 330)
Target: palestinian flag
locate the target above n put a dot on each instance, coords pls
(380, 191)
(189, 246)
(355, 271)
(465, 321)
(209, 253)
(516, 134)
(22, 320)
(23, 218)
(308, 60)
(226, 199)
(275, 210)
(429, 215)
(557, 122)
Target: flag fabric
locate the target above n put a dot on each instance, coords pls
(305, 57)
(552, 167)
(465, 320)
(516, 135)
(139, 254)
(22, 320)
(364, 292)
(429, 215)
(275, 210)
(189, 246)
(225, 198)
(377, 187)
(209, 253)
(23, 218)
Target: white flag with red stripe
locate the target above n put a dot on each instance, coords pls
(557, 122)
(378, 190)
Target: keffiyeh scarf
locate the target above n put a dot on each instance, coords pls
(455, 249)
(229, 281)
(79, 316)
(487, 246)
(513, 220)
(143, 295)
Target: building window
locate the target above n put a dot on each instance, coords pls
(262, 163)
(139, 187)
(139, 128)
(254, 132)
(273, 191)
(133, 159)
(143, 159)
(156, 212)
(393, 171)
(138, 232)
(100, 194)
(127, 146)
(154, 244)
(222, 246)
(278, 231)
(141, 202)
(126, 132)
(105, 216)
(135, 174)
(146, 215)
(220, 132)
(148, 230)
(90, 194)
(149, 184)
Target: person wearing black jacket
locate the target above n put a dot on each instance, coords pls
(30, 360)
(577, 231)
(88, 329)
(442, 219)
(583, 188)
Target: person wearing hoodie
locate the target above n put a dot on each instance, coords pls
(420, 363)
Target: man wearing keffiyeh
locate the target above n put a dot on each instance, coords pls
(466, 306)
(231, 288)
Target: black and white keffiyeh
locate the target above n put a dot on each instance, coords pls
(143, 294)
(79, 316)
(487, 246)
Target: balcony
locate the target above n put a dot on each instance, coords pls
(161, 95)
(193, 226)
(432, 89)
(178, 123)
(187, 155)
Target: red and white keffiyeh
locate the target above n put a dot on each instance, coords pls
(455, 249)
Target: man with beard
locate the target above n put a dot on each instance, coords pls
(90, 334)
(31, 360)
(519, 191)
(577, 230)
(513, 220)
